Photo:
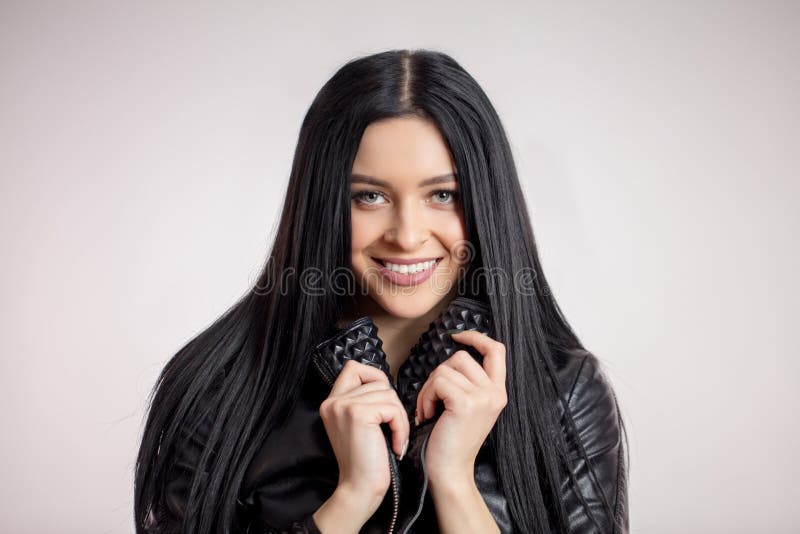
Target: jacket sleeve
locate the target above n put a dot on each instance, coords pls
(178, 484)
(595, 412)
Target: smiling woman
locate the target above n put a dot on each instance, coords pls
(444, 393)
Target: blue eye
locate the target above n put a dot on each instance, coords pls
(453, 195)
(362, 197)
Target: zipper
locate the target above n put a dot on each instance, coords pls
(421, 502)
(396, 498)
(324, 373)
(327, 377)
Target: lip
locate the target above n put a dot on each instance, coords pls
(402, 261)
(410, 279)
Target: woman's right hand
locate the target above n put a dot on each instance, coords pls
(360, 400)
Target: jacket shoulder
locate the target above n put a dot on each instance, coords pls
(586, 390)
(592, 403)
(567, 364)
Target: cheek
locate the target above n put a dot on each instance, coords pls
(363, 232)
(451, 233)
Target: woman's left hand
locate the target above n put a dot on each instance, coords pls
(473, 397)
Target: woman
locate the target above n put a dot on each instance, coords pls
(405, 151)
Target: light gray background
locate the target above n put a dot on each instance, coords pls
(144, 152)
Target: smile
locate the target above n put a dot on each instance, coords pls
(407, 274)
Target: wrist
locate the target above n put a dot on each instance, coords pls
(460, 507)
(345, 512)
(453, 484)
(452, 474)
(336, 515)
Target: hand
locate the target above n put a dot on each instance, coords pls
(473, 397)
(360, 400)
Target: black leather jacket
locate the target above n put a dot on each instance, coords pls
(295, 470)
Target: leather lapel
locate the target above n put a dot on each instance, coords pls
(359, 341)
(435, 346)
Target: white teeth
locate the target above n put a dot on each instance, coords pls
(410, 269)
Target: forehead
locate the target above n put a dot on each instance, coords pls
(403, 148)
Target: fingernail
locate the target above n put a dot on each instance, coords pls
(453, 331)
(405, 446)
(416, 417)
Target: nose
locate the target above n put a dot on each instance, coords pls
(409, 227)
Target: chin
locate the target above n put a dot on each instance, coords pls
(408, 306)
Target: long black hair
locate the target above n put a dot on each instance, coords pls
(259, 344)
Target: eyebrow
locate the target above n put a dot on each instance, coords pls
(364, 179)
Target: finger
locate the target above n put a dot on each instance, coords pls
(493, 352)
(376, 396)
(392, 413)
(464, 363)
(444, 386)
(354, 374)
(365, 388)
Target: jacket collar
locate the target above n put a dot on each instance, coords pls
(359, 341)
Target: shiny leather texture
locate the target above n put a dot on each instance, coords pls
(295, 470)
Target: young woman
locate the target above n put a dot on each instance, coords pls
(403, 203)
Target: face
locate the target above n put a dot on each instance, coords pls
(407, 220)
